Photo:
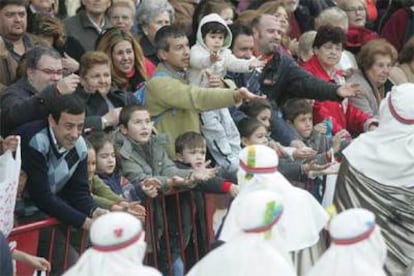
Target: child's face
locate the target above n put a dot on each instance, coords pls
(193, 156)
(258, 137)
(227, 15)
(264, 117)
(105, 159)
(91, 163)
(139, 126)
(303, 124)
(214, 42)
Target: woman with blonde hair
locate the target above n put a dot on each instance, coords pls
(129, 67)
(358, 34)
(122, 13)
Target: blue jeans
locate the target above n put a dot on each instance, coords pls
(178, 267)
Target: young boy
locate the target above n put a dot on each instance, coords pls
(145, 163)
(298, 113)
(190, 152)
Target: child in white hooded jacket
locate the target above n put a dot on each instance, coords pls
(211, 52)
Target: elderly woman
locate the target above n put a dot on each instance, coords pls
(327, 48)
(337, 17)
(375, 61)
(357, 34)
(377, 174)
(129, 67)
(103, 103)
(404, 71)
(122, 13)
(151, 16)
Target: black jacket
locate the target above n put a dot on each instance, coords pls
(96, 106)
(282, 79)
(149, 50)
(20, 103)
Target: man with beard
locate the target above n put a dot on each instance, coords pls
(282, 78)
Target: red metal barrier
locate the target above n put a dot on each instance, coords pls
(27, 238)
(161, 211)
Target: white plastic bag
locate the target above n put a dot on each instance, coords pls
(9, 179)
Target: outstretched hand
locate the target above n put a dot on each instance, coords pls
(203, 173)
(244, 94)
(349, 90)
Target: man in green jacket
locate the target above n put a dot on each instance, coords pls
(173, 103)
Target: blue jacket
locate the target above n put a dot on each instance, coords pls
(57, 182)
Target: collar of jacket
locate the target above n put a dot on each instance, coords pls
(27, 42)
(180, 75)
(86, 23)
(27, 86)
(319, 71)
(147, 46)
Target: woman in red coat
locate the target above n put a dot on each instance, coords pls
(328, 47)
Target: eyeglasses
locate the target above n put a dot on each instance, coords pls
(355, 9)
(50, 71)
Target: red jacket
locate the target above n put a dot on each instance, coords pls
(343, 114)
(394, 30)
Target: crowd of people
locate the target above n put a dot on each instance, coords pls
(299, 110)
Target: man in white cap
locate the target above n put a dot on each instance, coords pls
(251, 250)
(304, 217)
(118, 248)
(378, 174)
(357, 247)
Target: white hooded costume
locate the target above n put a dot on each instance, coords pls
(251, 250)
(118, 248)
(304, 216)
(357, 247)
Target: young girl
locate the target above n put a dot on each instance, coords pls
(107, 167)
(252, 132)
(104, 196)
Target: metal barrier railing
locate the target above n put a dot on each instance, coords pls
(166, 226)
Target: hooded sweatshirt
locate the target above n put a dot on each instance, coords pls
(200, 56)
